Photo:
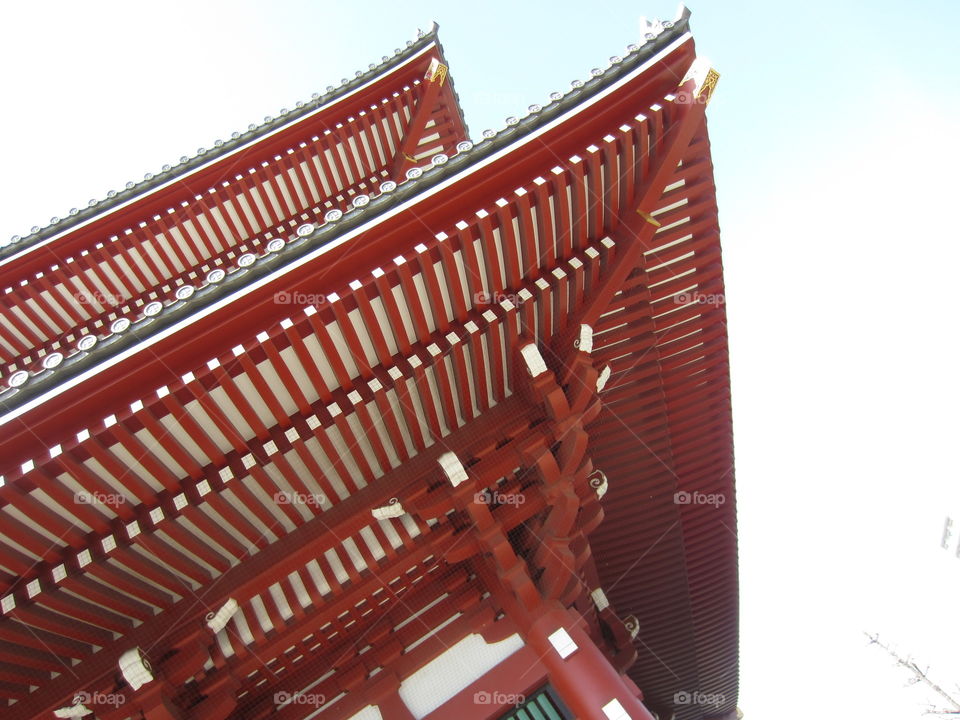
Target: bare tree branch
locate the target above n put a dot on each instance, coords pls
(918, 677)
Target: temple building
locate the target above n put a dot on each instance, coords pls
(351, 416)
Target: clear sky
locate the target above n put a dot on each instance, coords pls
(834, 131)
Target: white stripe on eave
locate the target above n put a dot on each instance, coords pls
(310, 257)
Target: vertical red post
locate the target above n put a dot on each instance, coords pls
(585, 679)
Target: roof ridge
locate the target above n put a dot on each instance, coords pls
(76, 216)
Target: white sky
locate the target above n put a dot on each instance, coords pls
(834, 131)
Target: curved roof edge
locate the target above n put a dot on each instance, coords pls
(151, 181)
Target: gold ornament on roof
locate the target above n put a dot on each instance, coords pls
(707, 87)
(437, 72)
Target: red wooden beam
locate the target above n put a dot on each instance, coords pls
(638, 228)
(405, 158)
(276, 561)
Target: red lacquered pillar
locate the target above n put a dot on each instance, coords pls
(585, 679)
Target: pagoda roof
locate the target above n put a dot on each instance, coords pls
(123, 266)
(408, 265)
(470, 157)
(238, 140)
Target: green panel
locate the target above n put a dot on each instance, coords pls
(532, 708)
(551, 712)
(541, 705)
